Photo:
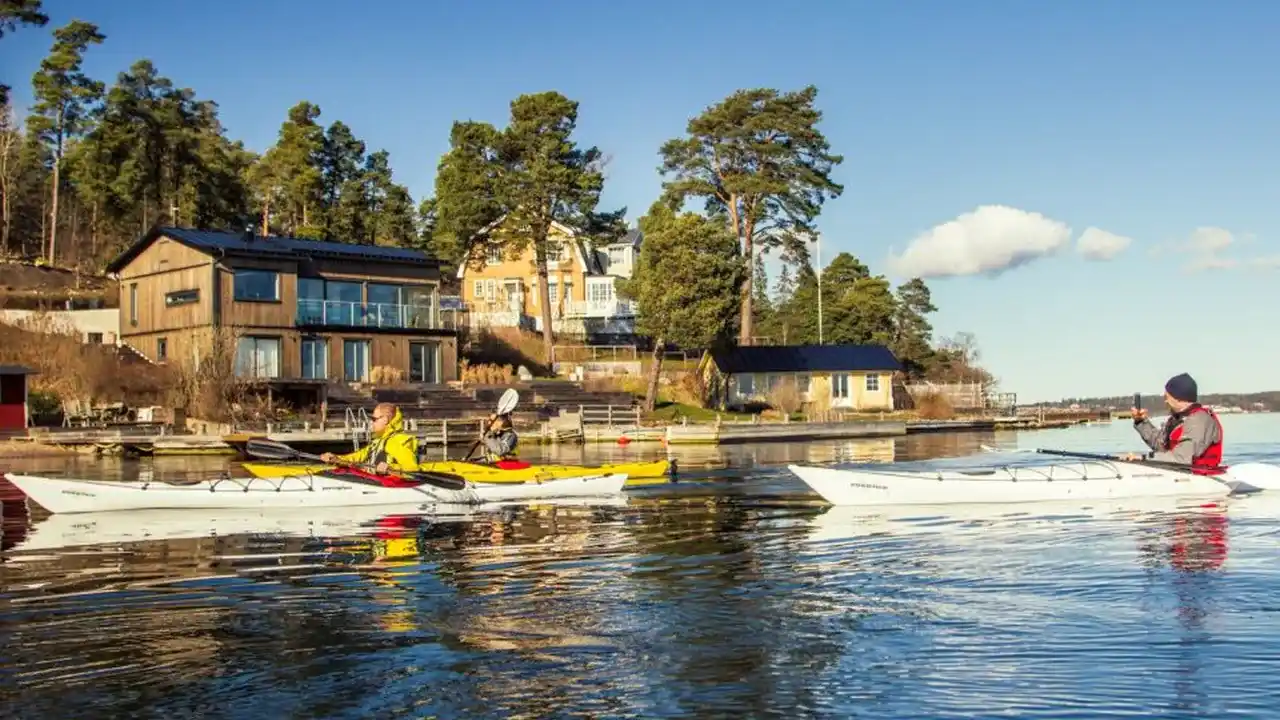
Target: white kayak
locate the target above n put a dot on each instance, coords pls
(1083, 480)
(64, 495)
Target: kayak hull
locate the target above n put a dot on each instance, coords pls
(638, 473)
(64, 495)
(1034, 483)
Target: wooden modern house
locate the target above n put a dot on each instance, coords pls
(295, 309)
(501, 290)
(843, 377)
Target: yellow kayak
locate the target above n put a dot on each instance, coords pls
(638, 473)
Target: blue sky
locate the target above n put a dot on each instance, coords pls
(1143, 120)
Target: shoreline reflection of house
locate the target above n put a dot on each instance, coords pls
(848, 377)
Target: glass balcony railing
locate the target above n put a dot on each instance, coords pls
(342, 313)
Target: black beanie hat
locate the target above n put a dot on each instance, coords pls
(1182, 387)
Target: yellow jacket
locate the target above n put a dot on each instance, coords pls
(396, 447)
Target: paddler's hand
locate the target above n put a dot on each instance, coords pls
(328, 458)
(381, 468)
(1138, 414)
(1132, 457)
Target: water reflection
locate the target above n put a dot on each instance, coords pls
(733, 594)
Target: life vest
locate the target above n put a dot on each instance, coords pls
(1208, 462)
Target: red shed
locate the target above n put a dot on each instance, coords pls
(14, 413)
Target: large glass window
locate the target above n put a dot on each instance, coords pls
(343, 303)
(355, 360)
(258, 357)
(385, 309)
(315, 358)
(256, 285)
(422, 362)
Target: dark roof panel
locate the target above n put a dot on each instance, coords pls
(17, 370)
(805, 358)
(272, 246)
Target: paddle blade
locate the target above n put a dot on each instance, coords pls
(270, 450)
(445, 481)
(508, 401)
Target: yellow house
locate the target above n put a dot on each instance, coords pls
(857, 377)
(501, 290)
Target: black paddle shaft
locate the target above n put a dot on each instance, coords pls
(273, 450)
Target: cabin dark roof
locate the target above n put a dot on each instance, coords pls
(17, 370)
(805, 358)
(271, 246)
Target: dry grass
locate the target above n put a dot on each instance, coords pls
(485, 374)
(72, 370)
(385, 375)
(507, 346)
(934, 405)
(819, 408)
(785, 397)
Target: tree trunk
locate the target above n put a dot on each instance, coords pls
(744, 334)
(53, 213)
(266, 214)
(544, 297)
(655, 372)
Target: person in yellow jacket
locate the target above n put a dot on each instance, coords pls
(391, 448)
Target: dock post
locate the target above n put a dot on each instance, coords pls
(444, 433)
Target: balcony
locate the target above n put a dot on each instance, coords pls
(342, 313)
(598, 309)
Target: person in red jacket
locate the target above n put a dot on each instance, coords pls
(1191, 436)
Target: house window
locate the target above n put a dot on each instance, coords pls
(873, 383)
(162, 348)
(94, 338)
(181, 297)
(355, 361)
(477, 289)
(385, 308)
(555, 252)
(802, 383)
(133, 303)
(617, 255)
(840, 386)
(746, 385)
(493, 255)
(600, 293)
(258, 357)
(422, 362)
(315, 358)
(343, 303)
(256, 285)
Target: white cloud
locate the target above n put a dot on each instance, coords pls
(1209, 240)
(988, 240)
(1268, 261)
(1209, 261)
(1097, 244)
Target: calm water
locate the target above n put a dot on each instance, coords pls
(733, 593)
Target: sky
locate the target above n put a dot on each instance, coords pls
(1087, 187)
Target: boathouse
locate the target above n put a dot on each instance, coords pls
(843, 377)
(15, 413)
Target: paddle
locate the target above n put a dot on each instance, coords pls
(1113, 458)
(506, 404)
(272, 450)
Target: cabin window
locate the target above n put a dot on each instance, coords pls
(422, 362)
(257, 285)
(493, 255)
(133, 303)
(802, 383)
(315, 358)
(840, 386)
(746, 385)
(355, 361)
(258, 357)
(162, 348)
(181, 297)
(873, 383)
(617, 255)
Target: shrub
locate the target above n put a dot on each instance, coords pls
(385, 375)
(934, 405)
(785, 396)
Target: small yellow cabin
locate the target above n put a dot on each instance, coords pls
(850, 377)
